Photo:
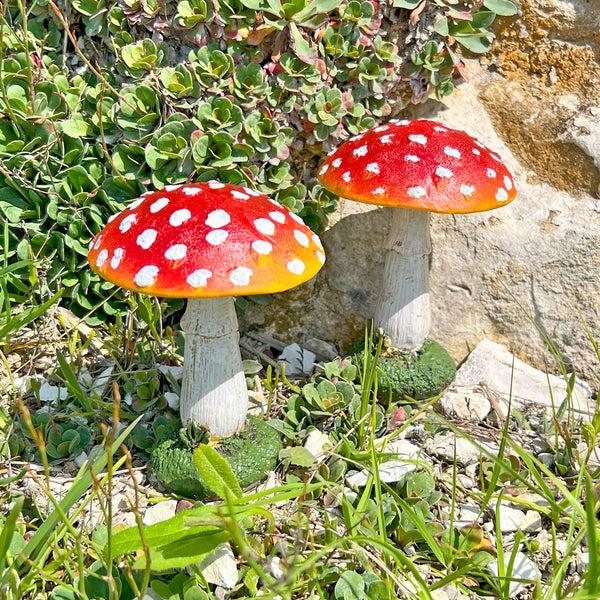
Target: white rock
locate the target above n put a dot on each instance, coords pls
(172, 371)
(524, 570)
(316, 443)
(51, 394)
(161, 511)
(172, 400)
(465, 515)
(403, 449)
(465, 403)
(449, 445)
(80, 459)
(389, 472)
(220, 567)
(298, 361)
(532, 522)
(101, 382)
(511, 519)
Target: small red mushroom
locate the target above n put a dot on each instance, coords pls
(424, 166)
(208, 242)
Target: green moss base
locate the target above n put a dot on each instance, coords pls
(250, 453)
(419, 375)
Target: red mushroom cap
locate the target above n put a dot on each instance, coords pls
(206, 240)
(419, 164)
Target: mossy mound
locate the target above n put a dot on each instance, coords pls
(250, 453)
(419, 375)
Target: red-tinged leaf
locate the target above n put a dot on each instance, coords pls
(256, 36)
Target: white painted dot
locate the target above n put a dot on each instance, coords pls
(400, 123)
(382, 128)
(127, 222)
(467, 190)
(191, 191)
(508, 184)
(443, 172)
(112, 217)
(115, 261)
(411, 158)
(323, 169)
(146, 276)
(331, 152)
(239, 195)
(495, 157)
(301, 238)
(296, 218)
(491, 173)
(386, 139)
(146, 238)
(451, 152)
(476, 152)
(296, 266)
(321, 257)
(360, 151)
(253, 192)
(265, 226)
(360, 136)
(135, 204)
(378, 191)
(215, 185)
(146, 194)
(262, 247)
(337, 162)
(240, 276)
(501, 195)
(98, 242)
(373, 168)
(176, 252)
(101, 258)
(317, 241)
(199, 278)
(277, 216)
(440, 129)
(179, 217)
(173, 187)
(216, 237)
(418, 138)
(481, 145)
(346, 177)
(417, 191)
(159, 204)
(218, 218)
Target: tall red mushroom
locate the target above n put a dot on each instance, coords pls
(208, 242)
(418, 167)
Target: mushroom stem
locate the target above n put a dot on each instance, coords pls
(213, 392)
(403, 309)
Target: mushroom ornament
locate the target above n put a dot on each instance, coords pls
(418, 167)
(208, 242)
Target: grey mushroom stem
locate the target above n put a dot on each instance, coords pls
(213, 392)
(403, 311)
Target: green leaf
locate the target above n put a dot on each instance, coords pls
(75, 127)
(504, 8)
(9, 528)
(298, 456)
(350, 586)
(216, 472)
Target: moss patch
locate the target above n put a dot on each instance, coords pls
(251, 454)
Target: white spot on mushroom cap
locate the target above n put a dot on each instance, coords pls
(112, 217)
(508, 184)
(411, 158)
(296, 266)
(378, 191)
(501, 195)
(252, 192)
(467, 190)
(172, 187)
(452, 152)
(323, 169)
(373, 168)
(265, 226)
(216, 237)
(491, 173)
(115, 261)
(176, 252)
(218, 218)
(337, 162)
(98, 242)
(240, 276)
(440, 129)
(199, 278)
(159, 204)
(296, 218)
(317, 241)
(146, 238)
(346, 177)
(146, 276)
(418, 138)
(135, 204)
(215, 185)
(278, 216)
(386, 139)
(495, 157)
(262, 247)
(321, 257)
(179, 217)
(382, 128)
(239, 195)
(191, 191)
(443, 172)
(301, 238)
(127, 222)
(476, 152)
(101, 258)
(417, 191)
(361, 151)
